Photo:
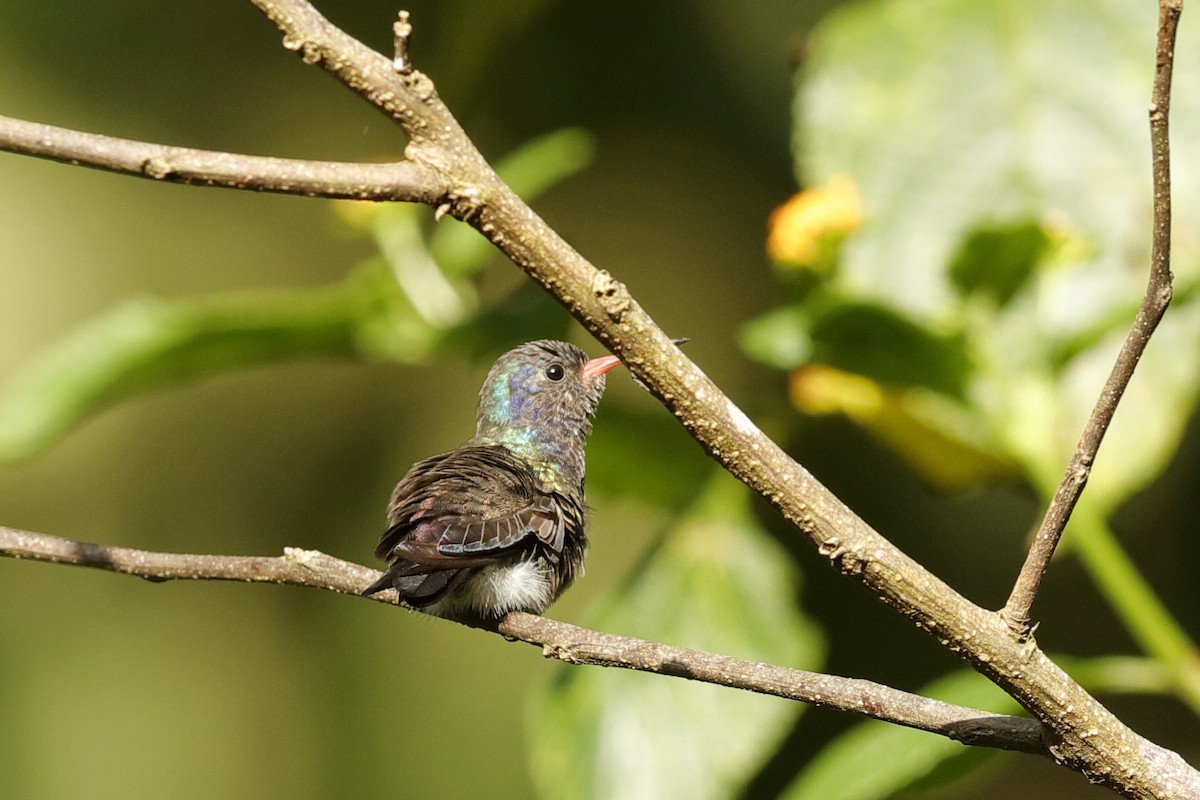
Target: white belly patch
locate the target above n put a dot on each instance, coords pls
(498, 589)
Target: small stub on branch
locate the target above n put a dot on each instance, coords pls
(157, 167)
(401, 30)
(302, 556)
(611, 294)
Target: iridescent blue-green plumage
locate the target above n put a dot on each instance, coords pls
(497, 525)
(542, 422)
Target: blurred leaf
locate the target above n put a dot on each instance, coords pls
(1115, 320)
(898, 380)
(434, 271)
(457, 249)
(1044, 97)
(997, 261)
(442, 300)
(876, 760)
(875, 341)
(1118, 674)
(147, 343)
(394, 330)
(717, 582)
(780, 338)
(1154, 411)
(939, 438)
(981, 198)
(866, 338)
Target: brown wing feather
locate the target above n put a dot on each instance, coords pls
(468, 508)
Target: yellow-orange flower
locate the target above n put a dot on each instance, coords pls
(806, 230)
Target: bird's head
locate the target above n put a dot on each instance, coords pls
(539, 398)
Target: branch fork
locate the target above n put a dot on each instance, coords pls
(1159, 291)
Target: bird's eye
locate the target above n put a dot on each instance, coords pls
(555, 372)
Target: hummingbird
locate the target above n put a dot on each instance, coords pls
(497, 525)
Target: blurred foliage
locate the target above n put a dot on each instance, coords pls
(850, 767)
(981, 230)
(717, 582)
(931, 432)
(401, 305)
(954, 279)
(972, 317)
(995, 263)
(807, 231)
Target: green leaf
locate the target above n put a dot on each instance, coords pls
(1000, 152)
(716, 582)
(147, 343)
(780, 338)
(873, 340)
(865, 338)
(1118, 674)
(998, 260)
(875, 760)
(953, 114)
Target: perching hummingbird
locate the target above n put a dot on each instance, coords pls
(498, 524)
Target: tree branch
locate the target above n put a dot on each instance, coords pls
(1085, 735)
(576, 645)
(1154, 304)
(398, 181)
(568, 643)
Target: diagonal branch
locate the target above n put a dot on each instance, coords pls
(398, 181)
(568, 643)
(1158, 296)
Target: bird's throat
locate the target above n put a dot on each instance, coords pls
(557, 461)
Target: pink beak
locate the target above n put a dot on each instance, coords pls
(598, 366)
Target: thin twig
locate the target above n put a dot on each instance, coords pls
(296, 567)
(568, 643)
(396, 181)
(401, 31)
(1158, 296)
(576, 645)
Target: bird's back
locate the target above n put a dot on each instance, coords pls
(475, 528)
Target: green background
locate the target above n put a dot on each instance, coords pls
(113, 687)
